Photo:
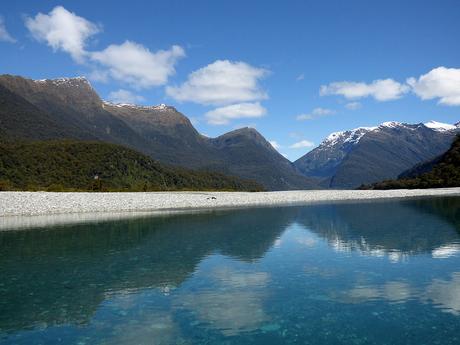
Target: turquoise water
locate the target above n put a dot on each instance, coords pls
(349, 273)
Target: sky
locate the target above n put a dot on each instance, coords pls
(294, 70)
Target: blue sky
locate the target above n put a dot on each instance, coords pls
(294, 70)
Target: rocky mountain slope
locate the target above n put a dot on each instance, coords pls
(370, 154)
(443, 171)
(70, 108)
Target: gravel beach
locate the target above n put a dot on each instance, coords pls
(36, 209)
(45, 203)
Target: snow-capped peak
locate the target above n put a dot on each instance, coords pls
(439, 126)
(391, 124)
(353, 136)
(161, 106)
(64, 81)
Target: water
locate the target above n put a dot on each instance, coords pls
(349, 273)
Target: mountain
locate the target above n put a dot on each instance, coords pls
(171, 136)
(72, 109)
(243, 152)
(75, 106)
(369, 154)
(74, 165)
(246, 152)
(21, 119)
(443, 171)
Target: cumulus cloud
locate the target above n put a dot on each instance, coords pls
(317, 112)
(125, 96)
(223, 115)
(302, 144)
(4, 34)
(353, 105)
(221, 83)
(129, 62)
(62, 30)
(381, 89)
(136, 65)
(441, 83)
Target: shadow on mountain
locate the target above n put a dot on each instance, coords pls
(62, 275)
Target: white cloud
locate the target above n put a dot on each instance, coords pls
(353, 105)
(98, 75)
(275, 144)
(221, 83)
(4, 34)
(302, 144)
(129, 62)
(381, 89)
(300, 77)
(223, 115)
(125, 96)
(62, 30)
(441, 82)
(303, 117)
(317, 112)
(136, 65)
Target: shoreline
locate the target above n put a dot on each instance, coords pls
(25, 210)
(49, 203)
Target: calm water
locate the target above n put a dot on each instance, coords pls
(361, 273)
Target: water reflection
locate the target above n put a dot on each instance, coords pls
(445, 293)
(393, 229)
(235, 303)
(263, 276)
(392, 291)
(82, 263)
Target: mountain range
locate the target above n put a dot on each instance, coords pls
(370, 154)
(70, 109)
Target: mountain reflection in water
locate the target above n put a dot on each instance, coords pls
(255, 276)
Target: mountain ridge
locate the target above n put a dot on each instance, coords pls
(365, 155)
(160, 132)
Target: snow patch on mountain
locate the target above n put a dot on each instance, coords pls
(353, 136)
(75, 81)
(161, 107)
(439, 126)
(391, 124)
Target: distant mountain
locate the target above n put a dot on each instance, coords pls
(80, 165)
(70, 108)
(369, 154)
(243, 152)
(443, 171)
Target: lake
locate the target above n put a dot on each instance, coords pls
(385, 272)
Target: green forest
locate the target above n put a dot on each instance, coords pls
(67, 165)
